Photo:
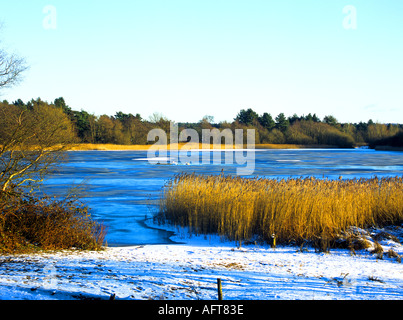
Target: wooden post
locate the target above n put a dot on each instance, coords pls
(219, 288)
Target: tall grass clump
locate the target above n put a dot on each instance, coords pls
(30, 224)
(295, 210)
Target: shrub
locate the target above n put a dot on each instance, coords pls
(394, 141)
(32, 223)
(309, 132)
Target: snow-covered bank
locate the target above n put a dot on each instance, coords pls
(190, 271)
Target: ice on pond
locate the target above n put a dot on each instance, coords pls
(122, 192)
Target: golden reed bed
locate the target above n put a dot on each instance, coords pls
(293, 210)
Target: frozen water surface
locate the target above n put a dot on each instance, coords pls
(121, 186)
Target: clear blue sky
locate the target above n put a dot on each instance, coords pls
(191, 58)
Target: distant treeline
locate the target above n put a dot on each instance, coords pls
(129, 129)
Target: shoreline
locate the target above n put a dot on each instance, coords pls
(192, 147)
(189, 270)
(388, 148)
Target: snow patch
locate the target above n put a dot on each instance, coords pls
(189, 270)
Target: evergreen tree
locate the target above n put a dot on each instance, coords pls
(330, 120)
(247, 117)
(267, 121)
(282, 122)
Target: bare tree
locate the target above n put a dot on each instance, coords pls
(32, 140)
(11, 69)
(32, 137)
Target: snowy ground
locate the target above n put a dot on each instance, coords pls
(190, 271)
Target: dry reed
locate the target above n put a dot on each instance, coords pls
(295, 210)
(181, 146)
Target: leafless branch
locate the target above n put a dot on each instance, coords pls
(32, 141)
(11, 69)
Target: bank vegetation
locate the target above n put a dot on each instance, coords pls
(33, 143)
(127, 129)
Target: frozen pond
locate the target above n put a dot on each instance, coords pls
(121, 186)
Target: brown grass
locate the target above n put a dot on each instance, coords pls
(278, 146)
(29, 224)
(295, 210)
(181, 146)
(107, 147)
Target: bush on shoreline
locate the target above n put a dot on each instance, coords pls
(293, 210)
(394, 141)
(30, 223)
